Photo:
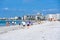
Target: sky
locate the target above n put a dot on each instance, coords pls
(12, 8)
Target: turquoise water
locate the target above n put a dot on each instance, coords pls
(3, 22)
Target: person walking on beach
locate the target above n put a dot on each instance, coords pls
(19, 24)
(7, 23)
(23, 23)
(28, 24)
(13, 22)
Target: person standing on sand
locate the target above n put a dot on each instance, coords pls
(13, 23)
(19, 23)
(7, 23)
(23, 23)
(28, 24)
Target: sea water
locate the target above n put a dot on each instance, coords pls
(3, 22)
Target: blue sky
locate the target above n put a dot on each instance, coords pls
(11, 8)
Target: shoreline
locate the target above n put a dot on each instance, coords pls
(6, 29)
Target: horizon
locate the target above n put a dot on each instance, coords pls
(12, 8)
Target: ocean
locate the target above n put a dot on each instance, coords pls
(3, 22)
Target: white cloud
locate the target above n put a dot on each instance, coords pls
(13, 9)
(43, 10)
(50, 10)
(5, 8)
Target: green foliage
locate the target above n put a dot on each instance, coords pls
(31, 18)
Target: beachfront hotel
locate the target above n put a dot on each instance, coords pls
(37, 16)
(29, 17)
(51, 17)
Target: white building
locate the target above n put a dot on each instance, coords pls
(53, 17)
(24, 17)
(58, 16)
(16, 17)
(38, 16)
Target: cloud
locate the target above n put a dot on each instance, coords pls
(5, 8)
(13, 9)
(44, 10)
(36, 10)
(50, 10)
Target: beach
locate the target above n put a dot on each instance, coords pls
(45, 31)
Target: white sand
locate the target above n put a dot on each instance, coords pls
(46, 31)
